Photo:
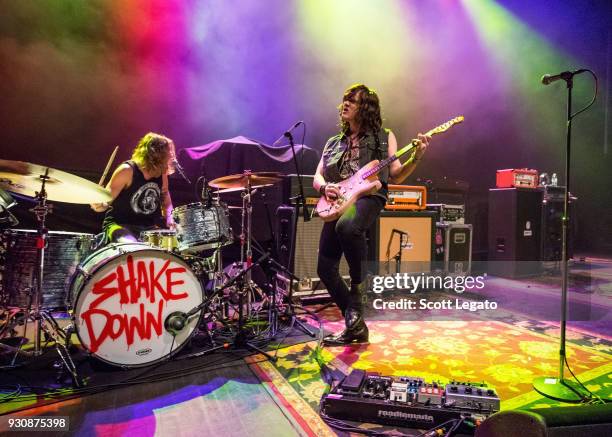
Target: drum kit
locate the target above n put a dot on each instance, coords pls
(131, 304)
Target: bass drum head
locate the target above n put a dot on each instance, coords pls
(125, 293)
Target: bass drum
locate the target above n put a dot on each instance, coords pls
(121, 297)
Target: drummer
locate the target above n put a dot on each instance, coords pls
(139, 189)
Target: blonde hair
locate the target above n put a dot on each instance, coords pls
(155, 153)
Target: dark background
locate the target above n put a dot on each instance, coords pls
(78, 78)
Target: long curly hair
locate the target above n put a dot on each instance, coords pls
(368, 114)
(155, 153)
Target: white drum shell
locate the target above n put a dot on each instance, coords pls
(132, 333)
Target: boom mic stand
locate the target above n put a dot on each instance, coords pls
(559, 388)
(300, 202)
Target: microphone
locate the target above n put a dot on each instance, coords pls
(178, 168)
(205, 195)
(287, 132)
(565, 75)
(176, 322)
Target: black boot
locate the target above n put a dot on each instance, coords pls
(356, 329)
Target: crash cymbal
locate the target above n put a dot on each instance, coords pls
(60, 187)
(232, 190)
(243, 179)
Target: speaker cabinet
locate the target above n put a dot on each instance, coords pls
(402, 241)
(515, 221)
(580, 421)
(552, 231)
(298, 243)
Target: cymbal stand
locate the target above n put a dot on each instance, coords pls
(40, 210)
(246, 250)
(44, 321)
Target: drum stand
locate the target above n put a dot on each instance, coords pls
(177, 321)
(44, 321)
(274, 310)
(246, 250)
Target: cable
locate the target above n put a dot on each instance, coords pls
(592, 100)
(593, 396)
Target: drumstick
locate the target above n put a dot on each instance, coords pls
(108, 166)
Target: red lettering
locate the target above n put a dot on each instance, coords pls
(155, 279)
(170, 284)
(97, 340)
(156, 323)
(123, 284)
(137, 324)
(133, 281)
(100, 287)
(143, 280)
(134, 290)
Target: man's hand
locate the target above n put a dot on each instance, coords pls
(332, 191)
(99, 207)
(422, 143)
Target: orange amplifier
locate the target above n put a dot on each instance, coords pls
(406, 197)
(517, 177)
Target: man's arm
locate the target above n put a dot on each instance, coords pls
(324, 188)
(398, 172)
(167, 202)
(121, 178)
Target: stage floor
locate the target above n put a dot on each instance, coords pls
(233, 393)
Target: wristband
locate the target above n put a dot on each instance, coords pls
(322, 189)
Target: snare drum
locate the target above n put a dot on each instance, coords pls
(161, 238)
(64, 252)
(122, 296)
(199, 227)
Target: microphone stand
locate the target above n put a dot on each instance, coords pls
(300, 199)
(559, 388)
(300, 202)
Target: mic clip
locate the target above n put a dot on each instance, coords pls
(180, 170)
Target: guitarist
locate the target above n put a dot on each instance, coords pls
(361, 140)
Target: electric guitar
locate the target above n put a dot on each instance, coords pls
(365, 181)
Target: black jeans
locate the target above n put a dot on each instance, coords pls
(120, 233)
(347, 236)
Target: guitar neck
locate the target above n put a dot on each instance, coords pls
(386, 162)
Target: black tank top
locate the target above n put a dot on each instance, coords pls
(139, 204)
(374, 145)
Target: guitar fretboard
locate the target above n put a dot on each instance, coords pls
(385, 162)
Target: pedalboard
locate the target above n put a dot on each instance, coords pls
(407, 401)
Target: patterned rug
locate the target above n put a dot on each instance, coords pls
(502, 354)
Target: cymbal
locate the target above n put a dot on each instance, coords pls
(242, 180)
(60, 187)
(232, 190)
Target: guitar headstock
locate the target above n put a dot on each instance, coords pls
(446, 126)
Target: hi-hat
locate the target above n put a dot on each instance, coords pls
(60, 186)
(242, 180)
